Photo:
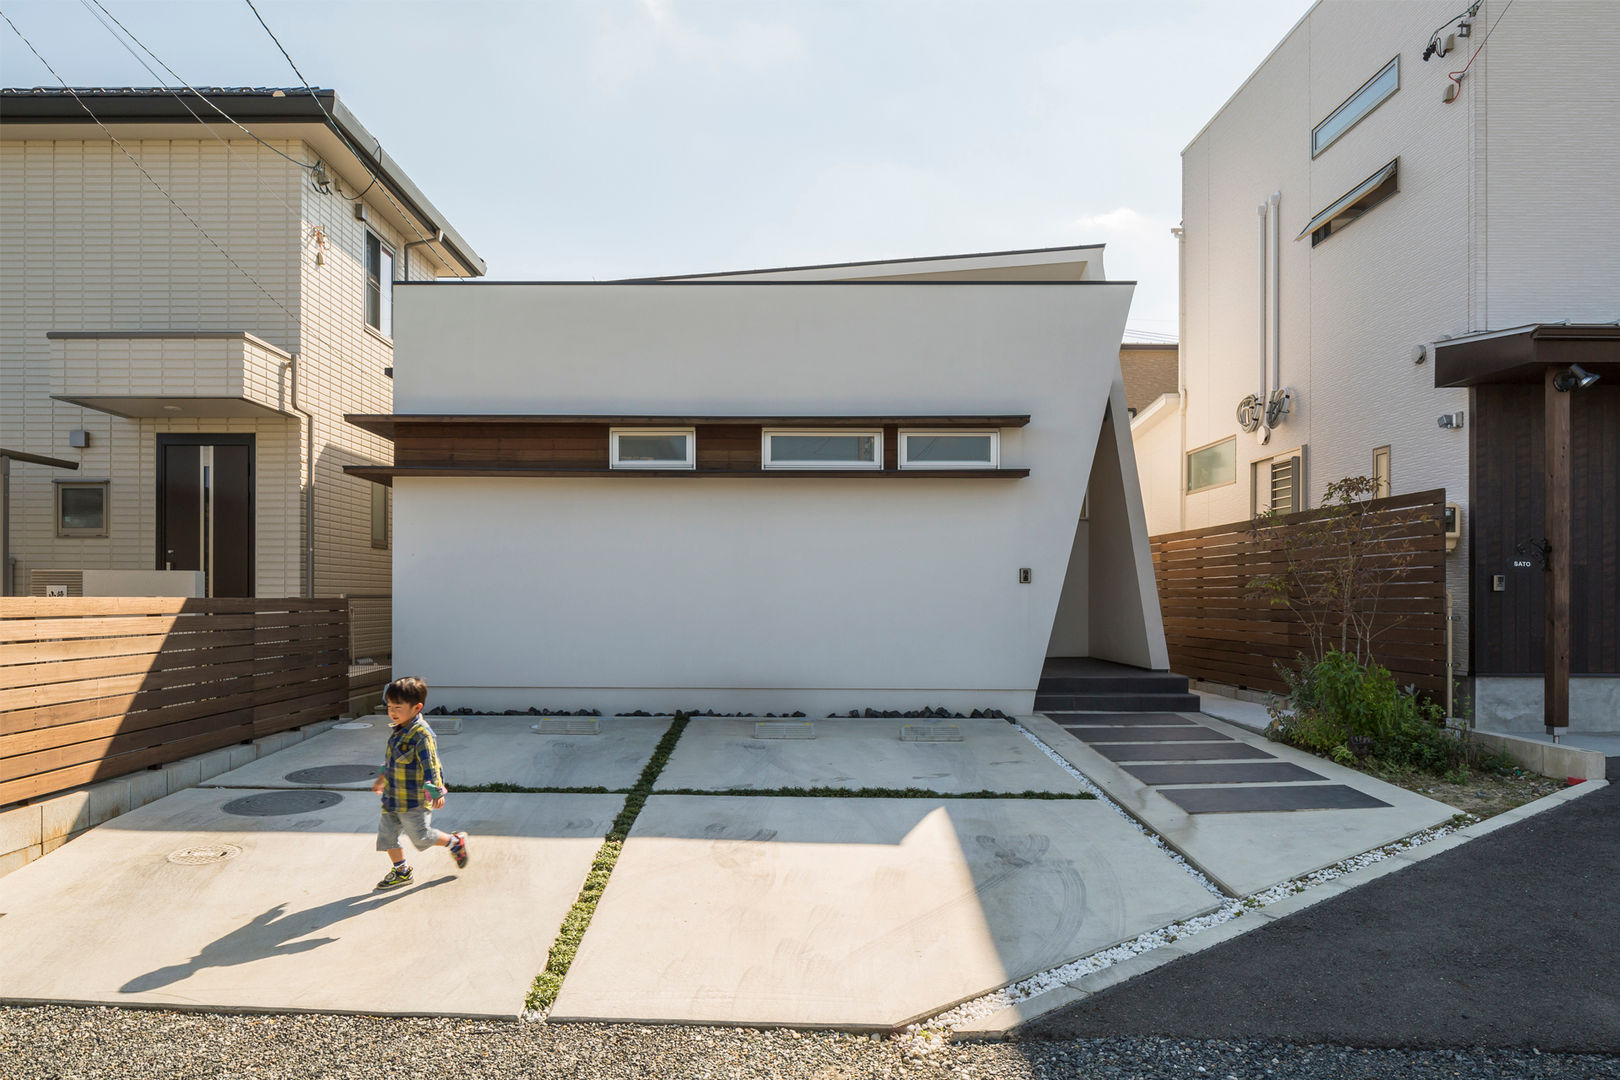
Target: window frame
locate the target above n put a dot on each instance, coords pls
(1360, 199)
(615, 462)
(104, 486)
(381, 533)
(906, 435)
(1301, 487)
(385, 300)
(1349, 102)
(875, 465)
(1186, 470)
(1386, 482)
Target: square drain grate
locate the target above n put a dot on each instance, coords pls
(567, 725)
(930, 733)
(784, 729)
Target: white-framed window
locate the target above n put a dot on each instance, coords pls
(797, 448)
(379, 285)
(1380, 473)
(379, 516)
(81, 508)
(1212, 466)
(653, 448)
(952, 449)
(1279, 483)
(1373, 93)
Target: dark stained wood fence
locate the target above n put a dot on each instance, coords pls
(96, 687)
(1216, 631)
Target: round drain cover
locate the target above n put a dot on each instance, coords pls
(277, 803)
(333, 774)
(204, 853)
(350, 725)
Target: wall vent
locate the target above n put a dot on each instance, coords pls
(53, 582)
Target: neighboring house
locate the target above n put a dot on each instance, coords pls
(201, 391)
(1369, 272)
(1150, 369)
(807, 488)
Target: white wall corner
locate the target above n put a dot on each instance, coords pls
(1126, 623)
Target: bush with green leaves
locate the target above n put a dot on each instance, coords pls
(1346, 710)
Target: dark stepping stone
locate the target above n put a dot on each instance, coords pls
(1146, 734)
(321, 775)
(1226, 751)
(1124, 719)
(278, 803)
(1259, 772)
(1249, 800)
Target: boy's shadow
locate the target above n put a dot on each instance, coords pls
(272, 934)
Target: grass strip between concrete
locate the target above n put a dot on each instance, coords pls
(780, 793)
(549, 982)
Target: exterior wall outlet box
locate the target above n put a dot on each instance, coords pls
(79, 438)
(1498, 583)
(1453, 526)
(1025, 576)
(360, 211)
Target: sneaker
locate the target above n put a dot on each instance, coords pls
(458, 849)
(396, 877)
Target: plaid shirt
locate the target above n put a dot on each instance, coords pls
(413, 761)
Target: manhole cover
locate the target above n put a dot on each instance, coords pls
(333, 774)
(277, 803)
(204, 853)
(350, 725)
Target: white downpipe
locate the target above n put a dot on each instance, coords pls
(1180, 233)
(1276, 291)
(1265, 285)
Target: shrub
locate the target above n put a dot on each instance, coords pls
(1338, 699)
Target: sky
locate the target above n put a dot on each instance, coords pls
(600, 139)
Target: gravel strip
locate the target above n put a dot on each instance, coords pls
(62, 1043)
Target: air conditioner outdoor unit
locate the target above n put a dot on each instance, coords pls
(56, 583)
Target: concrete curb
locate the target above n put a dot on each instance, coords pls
(36, 829)
(1003, 1023)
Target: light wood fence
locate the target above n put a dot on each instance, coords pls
(1217, 631)
(96, 687)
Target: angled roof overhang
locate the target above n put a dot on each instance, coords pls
(1522, 354)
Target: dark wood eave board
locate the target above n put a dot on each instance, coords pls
(389, 424)
(1523, 356)
(384, 474)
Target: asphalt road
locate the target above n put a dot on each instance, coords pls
(1512, 940)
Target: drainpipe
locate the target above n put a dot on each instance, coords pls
(309, 488)
(1276, 292)
(1180, 233)
(1265, 284)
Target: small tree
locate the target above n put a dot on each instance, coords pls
(1336, 566)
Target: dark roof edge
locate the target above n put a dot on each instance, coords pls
(727, 283)
(295, 106)
(871, 262)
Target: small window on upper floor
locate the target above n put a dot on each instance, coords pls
(647, 448)
(949, 449)
(379, 516)
(379, 279)
(1357, 201)
(1373, 93)
(796, 448)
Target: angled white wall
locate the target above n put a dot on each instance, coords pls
(748, 594)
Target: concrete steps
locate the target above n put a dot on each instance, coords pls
(1082, 684)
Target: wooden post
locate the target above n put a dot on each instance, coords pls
(1556, 665)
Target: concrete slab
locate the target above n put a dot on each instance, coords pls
(721, 754)
(1249, 715)
(1239, 772)
(487, 750)
(1263, 798)
(1187, 751)
(858, 913)
(1246, 852)
(176, 904)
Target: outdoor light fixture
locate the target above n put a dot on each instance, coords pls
(1576, 378)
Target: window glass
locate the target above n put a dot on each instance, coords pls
(950, 449)
(1381, 472)
(1363, 197)
(1212, 465)
(821, 448)
(652, 448)
(379, 516)
(1372, 94)
(379, 278)
(81, 509)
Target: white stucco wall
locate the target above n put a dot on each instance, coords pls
(758, 594)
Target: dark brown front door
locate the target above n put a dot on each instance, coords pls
(205, 509)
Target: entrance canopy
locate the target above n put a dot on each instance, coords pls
(1522, 354)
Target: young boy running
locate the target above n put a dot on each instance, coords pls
(411, 784)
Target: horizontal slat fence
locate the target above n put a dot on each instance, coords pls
(95, 687)
(1217, 631)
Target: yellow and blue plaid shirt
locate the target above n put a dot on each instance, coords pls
(412, 763)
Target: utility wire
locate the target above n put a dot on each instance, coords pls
(257, 172)
(333, 124)
(1456, 76)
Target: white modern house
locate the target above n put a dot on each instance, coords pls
(882, 485)
(194, 289)
(1394, 234)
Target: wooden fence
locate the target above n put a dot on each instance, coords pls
(1217, 631)
(96, 687)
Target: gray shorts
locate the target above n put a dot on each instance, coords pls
(417, 824)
